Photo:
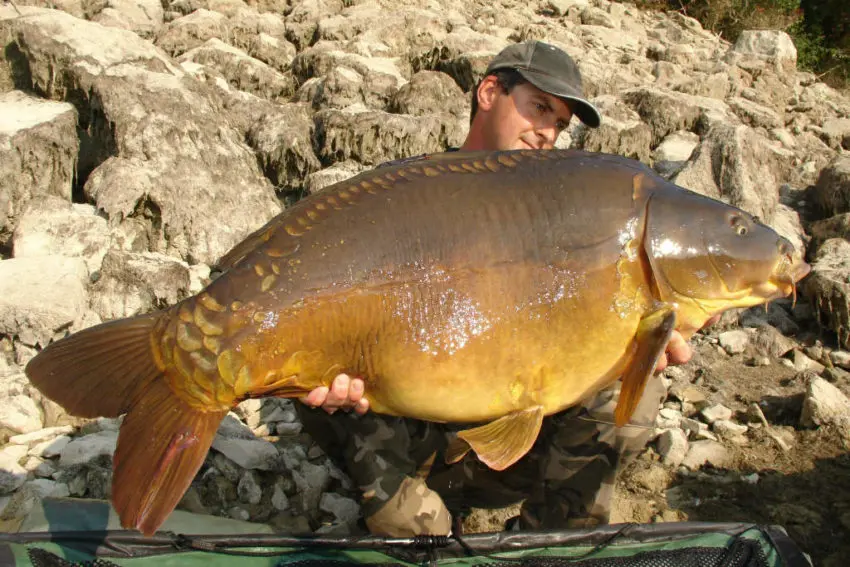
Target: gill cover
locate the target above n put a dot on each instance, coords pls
(704, 249)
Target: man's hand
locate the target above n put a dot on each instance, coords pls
(345, 393)
(678, 350)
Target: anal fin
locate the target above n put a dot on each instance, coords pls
(500, 443)
(651, 339)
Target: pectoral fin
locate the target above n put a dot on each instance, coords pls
(651, 339)
(500, 443)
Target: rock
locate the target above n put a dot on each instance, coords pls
(672, 446)
(148, 151)
(21, 414)
(828, 289)
(754, 114)
(840, 358)
(561, 7)
(667, 112)
(831, 194)
(766, 341)
(38, 155)
(190, 31)
(47, 434)
(673, 152)
(56, 227)
(311, 480)
(707, 453)
(242, 71)
(825, 404)
(49, 488)
(252, 454)
(771, 48)
(132, 283)
(734, 342)
(715, 413)
(84, 449)
(738, 165)
(144, 17)
(803, 362)
(283, 140)
(232, 428)
(621, 132)
(430, 92)
(249, 411)
(302, 21)
(39, 297)
(12, 475)
(373, 137)
(279, 500)
(340, 171)
(836, 133)
(345, 510)
(728, 429)
(50, 448)
(249, 489)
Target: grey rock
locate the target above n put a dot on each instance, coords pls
(85, 449)
(45, 434)
(716, 412)
(831, 193)
(825, 404)
(249, 489)
(345, 510)
(672, 446)
(39, 296)
(38, 154)
(131, 283)
(734, 342)
(12, 474)
(248, 453)
(21, 414)
(50, 448)
(707, 452)
(311, 481)
(279, 499)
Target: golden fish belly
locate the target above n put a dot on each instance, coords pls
(466, 349)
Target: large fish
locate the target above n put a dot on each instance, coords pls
(492, 288)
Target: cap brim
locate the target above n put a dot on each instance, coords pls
(580, 106)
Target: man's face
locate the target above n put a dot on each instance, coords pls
(525, 118)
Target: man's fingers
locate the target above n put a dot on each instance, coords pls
(678, 350)
(316, 397)
(362, 406)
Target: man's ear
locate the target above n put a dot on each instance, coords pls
(488, 90)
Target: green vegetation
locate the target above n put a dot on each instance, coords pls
(820, 28)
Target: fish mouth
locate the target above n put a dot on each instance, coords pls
(786, 276)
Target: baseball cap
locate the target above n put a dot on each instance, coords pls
(551, 70)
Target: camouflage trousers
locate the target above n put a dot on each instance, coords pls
(566, 480)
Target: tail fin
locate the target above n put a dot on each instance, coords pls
(99, 371)
(162, 444)
(109, 370)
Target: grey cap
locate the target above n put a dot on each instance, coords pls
(551, 70)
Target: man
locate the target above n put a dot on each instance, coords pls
(528, 96)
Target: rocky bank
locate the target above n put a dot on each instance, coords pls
(141, 139)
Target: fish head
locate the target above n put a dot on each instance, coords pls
(708, 256)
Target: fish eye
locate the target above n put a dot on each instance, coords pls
(738, 224)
